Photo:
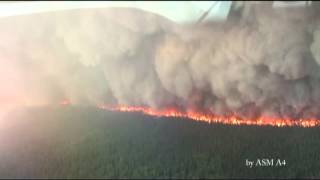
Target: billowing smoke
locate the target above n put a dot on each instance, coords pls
(268, 64)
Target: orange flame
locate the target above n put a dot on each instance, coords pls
(210, 118)
(65, 102)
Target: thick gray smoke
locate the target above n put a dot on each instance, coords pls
(268, 64)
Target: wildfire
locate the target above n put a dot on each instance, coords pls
(210, 118)
(65, 102)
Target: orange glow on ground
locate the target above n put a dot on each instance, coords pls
(65, 102)
(210, 118)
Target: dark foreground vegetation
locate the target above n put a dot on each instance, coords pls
(79, 142)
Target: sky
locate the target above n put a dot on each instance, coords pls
(178, 11)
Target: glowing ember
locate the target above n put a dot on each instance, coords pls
(210, 118)
(65, 102)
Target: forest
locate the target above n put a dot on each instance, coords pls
(86, 142)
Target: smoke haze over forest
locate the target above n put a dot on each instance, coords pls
(267, 65)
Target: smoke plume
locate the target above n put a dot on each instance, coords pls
(268, 64)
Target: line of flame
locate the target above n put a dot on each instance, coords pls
(209, 118)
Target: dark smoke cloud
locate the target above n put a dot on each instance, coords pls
(266, 65)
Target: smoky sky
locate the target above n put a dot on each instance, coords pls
(266, 64)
